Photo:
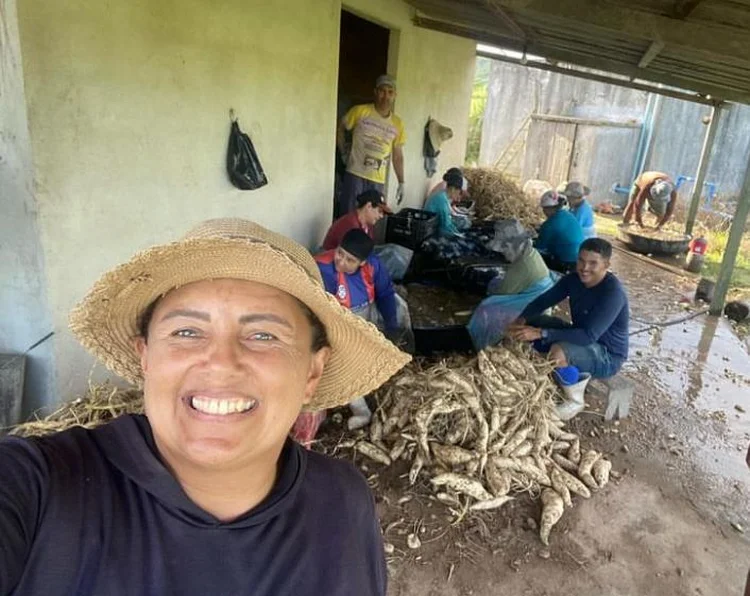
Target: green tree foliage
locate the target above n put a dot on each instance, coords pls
(478, 104)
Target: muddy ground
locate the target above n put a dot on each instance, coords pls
(672, 522)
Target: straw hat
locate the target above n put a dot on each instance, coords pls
(438, 133)
(106, 320)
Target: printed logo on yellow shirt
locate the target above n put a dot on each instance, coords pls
(373, 139)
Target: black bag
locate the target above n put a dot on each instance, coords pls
(243, 165)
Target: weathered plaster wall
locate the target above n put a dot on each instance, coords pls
(435, 73)
(128, 112)
(516, 91)
(24, 316)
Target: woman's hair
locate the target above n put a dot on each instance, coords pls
(452, 172)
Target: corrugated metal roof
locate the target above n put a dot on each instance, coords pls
(697, 45)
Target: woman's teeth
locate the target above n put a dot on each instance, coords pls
(222, 407)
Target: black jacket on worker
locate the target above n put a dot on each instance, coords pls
(96, 512)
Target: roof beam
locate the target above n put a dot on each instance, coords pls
(580, 57)
(628, 21)
(686, 96)
(651, 53)
(684, 8)
(471, 15)
(506, 18)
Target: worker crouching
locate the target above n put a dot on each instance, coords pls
(596, 340)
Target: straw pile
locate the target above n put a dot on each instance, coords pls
(480, 429)
(498, 197)
(102, 403)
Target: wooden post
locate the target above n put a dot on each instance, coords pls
(733, 244)
(700, 176)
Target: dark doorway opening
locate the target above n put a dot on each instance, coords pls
(363, 57)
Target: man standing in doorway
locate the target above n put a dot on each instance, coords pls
(377, 135)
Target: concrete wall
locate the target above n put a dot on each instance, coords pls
(435, 73)
(128, 109)
(515, 91)
(678, 138)
(24, 316)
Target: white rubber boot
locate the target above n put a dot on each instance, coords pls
(573, 404)
(361, 414)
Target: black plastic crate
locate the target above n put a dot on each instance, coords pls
(410, 227)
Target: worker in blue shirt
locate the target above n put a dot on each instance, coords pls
(576, 194)
(560, 235)
(361, 283)
(440, 203)
(596, 341)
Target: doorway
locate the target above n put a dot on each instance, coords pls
(363, 57)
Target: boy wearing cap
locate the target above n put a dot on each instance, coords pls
(377, 135)
(658, 190)
(358, 280)
(371, 208)
(580, 207)
(230, 333)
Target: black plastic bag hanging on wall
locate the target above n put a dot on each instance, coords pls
(243, 164)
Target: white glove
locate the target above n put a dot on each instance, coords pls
(400, 194)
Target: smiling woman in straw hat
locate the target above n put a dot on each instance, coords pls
(230, 333)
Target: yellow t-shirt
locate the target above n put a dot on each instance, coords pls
(373, 140)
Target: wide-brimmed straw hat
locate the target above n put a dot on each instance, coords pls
(438, 133)
(106, 320)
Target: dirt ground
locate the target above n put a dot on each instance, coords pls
(672, 522)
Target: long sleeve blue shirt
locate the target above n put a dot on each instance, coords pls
(585, 216)
(599, 314)
(560, 236)
(370, 283)
(441, 205)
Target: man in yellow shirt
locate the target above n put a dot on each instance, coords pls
(377, 135)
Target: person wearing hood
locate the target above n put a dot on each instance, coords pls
(658, 191)
(230, 333)
(525, 278)
(442, 202)
(360, 283)
(576, 194)
(560, 235)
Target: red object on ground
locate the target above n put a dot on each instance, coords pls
(306, 427)
(698, 246)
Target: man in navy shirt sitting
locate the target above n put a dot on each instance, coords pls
(596, 341)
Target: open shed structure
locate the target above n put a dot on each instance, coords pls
(690, 49)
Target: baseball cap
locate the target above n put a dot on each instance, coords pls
(551, 198)
(374, 198)
(357, 243)
(660, 190)
(576, 189)
(385, 80)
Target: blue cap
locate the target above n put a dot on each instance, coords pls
(567, 375)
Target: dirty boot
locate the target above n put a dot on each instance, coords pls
(573, 403)
(361, 414)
